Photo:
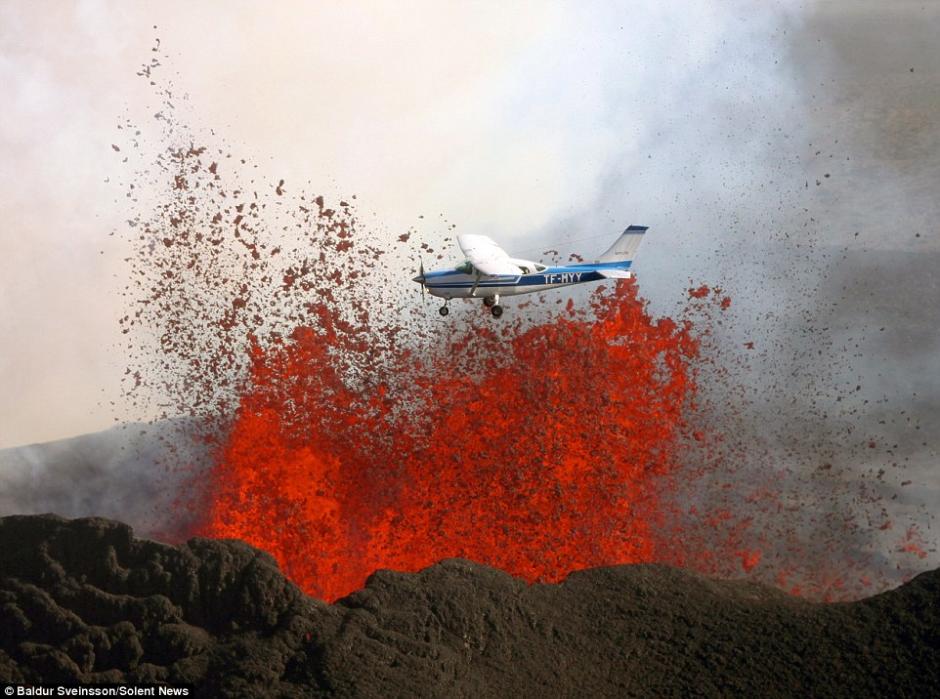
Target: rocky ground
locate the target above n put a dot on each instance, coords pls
(84, 601)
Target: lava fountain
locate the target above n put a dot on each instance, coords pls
(539, 454)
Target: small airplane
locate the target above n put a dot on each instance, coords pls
(488, 272)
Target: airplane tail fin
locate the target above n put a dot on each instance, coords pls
(626, 245)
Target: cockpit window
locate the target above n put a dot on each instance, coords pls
(465, 268)
(540, 268)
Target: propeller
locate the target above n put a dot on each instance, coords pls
(420, 277)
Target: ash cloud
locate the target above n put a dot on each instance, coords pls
(794, 165)
(857, 383)
(140, 473)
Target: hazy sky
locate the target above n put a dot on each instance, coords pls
(526, 121)
(502, 116)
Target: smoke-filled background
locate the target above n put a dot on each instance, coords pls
(785, 152)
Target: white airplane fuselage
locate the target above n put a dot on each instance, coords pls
(457, 283)
(489, 273)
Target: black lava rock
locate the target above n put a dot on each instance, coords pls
(84, 601)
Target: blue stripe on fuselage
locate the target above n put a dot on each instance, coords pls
(568, 274)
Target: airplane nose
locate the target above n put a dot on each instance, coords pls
(419, 279)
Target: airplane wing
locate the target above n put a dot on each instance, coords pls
(486, 255)
(615, 273)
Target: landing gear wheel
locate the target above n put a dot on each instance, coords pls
(443, 310)
(497, 311)
(489, 301)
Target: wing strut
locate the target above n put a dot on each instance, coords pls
(473, 291)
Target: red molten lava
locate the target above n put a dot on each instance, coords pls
(539, 453)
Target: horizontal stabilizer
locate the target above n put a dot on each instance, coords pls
(615, 273)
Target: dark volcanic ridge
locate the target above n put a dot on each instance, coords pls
(84, 601)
